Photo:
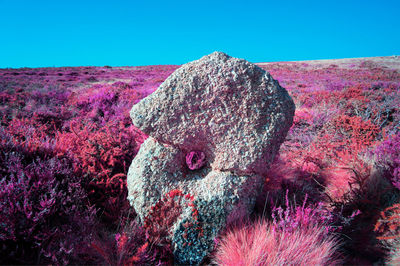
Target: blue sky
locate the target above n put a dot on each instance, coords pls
(42, 33)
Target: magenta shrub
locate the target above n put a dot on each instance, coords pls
(290, 217)
(43, 209)
(388, 157)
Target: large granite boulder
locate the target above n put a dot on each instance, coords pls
(215, 126)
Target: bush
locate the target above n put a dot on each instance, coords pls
(388, 158)
(102, 156)
(130, 246)
(44, 211)
(289, 217)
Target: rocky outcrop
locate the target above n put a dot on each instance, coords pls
(215, 126)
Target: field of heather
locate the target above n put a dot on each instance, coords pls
(332, 196)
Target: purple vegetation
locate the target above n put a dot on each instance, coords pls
(195, 160)
(66, 142)
(388, 155)
(44, 211)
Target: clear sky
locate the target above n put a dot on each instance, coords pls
(41, 33)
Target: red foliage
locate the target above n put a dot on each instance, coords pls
(360, 133)
(103, 156)
(355, 93)
(165, 213)
(130, 246)
(339, 146)
(388, 225)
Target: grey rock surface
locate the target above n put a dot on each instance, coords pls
(230, 109)
(227, 108)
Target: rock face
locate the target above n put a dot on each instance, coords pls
(215, 126)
